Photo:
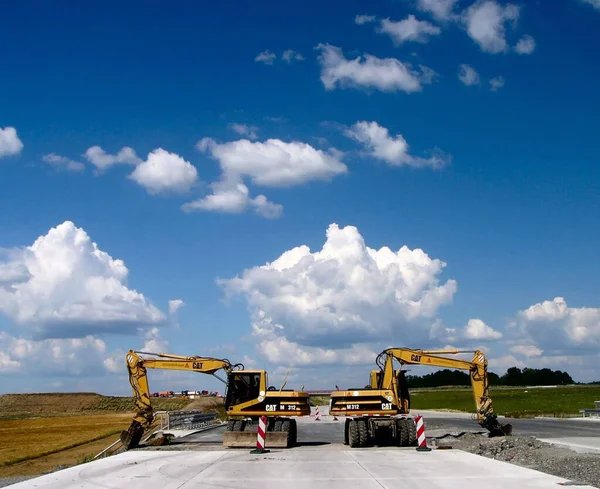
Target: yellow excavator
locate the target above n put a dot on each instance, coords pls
(378, 411)
(247, 397)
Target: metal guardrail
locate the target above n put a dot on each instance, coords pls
(187, 420)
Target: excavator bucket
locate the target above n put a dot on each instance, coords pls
(501, 430)
(247, 439)
(131, 437)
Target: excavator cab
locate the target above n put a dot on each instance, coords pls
(243, 386)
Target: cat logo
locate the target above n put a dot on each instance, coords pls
(197, 365)
(415, 358)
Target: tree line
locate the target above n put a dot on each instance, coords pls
(514, 376)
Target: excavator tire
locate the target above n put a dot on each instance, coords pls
(401, 432)
(293, 432)
(363, 436)
(277, 425)
(412, 433)
(239, 425)
(230, 425)
(353, 436)
(286, 427)
(346, 426)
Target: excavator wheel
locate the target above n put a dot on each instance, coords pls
(346, 427)
(277, 425)
(363, 436)
(412, 432)
(353, 436)
(401, 432)
(239, 425)
(286, 428)
(230, 425)
(294, 430)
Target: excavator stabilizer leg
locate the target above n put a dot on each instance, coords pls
(131, 437)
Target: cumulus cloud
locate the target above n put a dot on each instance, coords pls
(486, 21)
(274, 163)
(175, 305)
(496, 83)
(290, 55)
(468, 75)
(526, 350)
(165, 172)
(392, 150)
(251, 132)
(231, 196)
(385, 74)
(476, 329)
(10, 144)
(440, 9)
(555, 325)
(154, 343)
(266, 57)
(102, 160)
(69, 357)
(363, 19)
(526, 45)
(409, 29)
(64, 285)
(63, 163)
(342, 296)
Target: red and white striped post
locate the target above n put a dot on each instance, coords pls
(317, 415)
(422, 441)
(260, 436)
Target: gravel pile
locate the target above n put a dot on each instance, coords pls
(531, 453)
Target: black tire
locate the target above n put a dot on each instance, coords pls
(242, 426)
(346, 425)
(363, 436)
(412, 433)
(353, 436)
(230, 425)
(294, 432)
(401, 433)
(277, 425)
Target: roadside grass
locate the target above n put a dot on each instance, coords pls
(26, 439)
(516, 403)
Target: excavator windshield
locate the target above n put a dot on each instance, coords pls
(243, 386)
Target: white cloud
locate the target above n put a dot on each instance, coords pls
(154, 343)
(245, 130)
(595, 3)
(526, 45)
(283, 352)
(392, 150)
(290, 55)
(486, 20)
(468, 75)
(363, 19)
(102, 160)
(496, 83)
(385, 74)
(175, 305)
(63, 163)
(231, 196)
(10, 144)
(476, 329)
(555, 325)
(165, 172)
(440, 9)
(274, 163)
(68, 287)
(266, 57)
(409, 29)
(526, 350)
(343, 295)
(72, 356)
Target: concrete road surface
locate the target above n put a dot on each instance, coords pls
(400, 468)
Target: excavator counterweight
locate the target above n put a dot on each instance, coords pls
(379, 410)
(248, 396)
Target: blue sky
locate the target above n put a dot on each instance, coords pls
(463, 129)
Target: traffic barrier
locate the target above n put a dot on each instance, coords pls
(422, 440)
(260, 436)
(317, 416)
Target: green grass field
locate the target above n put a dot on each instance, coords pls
(559, 401)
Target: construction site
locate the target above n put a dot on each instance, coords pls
(362, 435)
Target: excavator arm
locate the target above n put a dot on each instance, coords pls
(137, 365)
(477, 368)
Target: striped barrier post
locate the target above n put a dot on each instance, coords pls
(260, 436)
(421, 435)
(317, 414)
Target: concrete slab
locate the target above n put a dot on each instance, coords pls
(578, 444)
(396, 468)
